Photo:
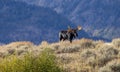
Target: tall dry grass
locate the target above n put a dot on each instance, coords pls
(82, 55)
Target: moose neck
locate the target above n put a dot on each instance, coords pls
(76, 29)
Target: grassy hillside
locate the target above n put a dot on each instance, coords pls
(82, 55)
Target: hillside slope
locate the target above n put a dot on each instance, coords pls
(82, 55)
(99, 18)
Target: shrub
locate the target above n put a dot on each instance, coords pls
(99, 57)
(21, 51)
(85, 43)
(3, 54)
(87, 54)
(108, 50)
(44, 43)
(89, 57)
(112, 66)
(116, 42)
(55, 47)
(106, 53)
(45, 62)
(105, 69)
(69, 49)
(11, 51)
(65, 59)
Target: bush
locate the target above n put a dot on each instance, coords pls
(116, 42)
(89, 56)
(86, 43)
(3, 54)
(65, 59)
(11, 51)
(45, 62)
(99, 57)
(112, 66)
(106, 53)
(108, 50)
(69, 49)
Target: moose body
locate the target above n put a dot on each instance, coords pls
(68, 34)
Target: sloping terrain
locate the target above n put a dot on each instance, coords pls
(82, 55)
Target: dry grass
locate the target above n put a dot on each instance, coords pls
(82, 55)
(112, 66)
(116, 42)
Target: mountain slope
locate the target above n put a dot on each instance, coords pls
(99, 18)
(20, 21)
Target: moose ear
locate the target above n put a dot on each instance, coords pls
(79, 27)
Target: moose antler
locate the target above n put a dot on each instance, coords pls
(79, 28)
(69, 29)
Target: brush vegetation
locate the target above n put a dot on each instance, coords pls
(82, 55)
(44, 62)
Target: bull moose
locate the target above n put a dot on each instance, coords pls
(69, 34)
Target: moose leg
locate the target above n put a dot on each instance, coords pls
(70, 41)
(60, 38)
(70, 38)
(64, 39)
